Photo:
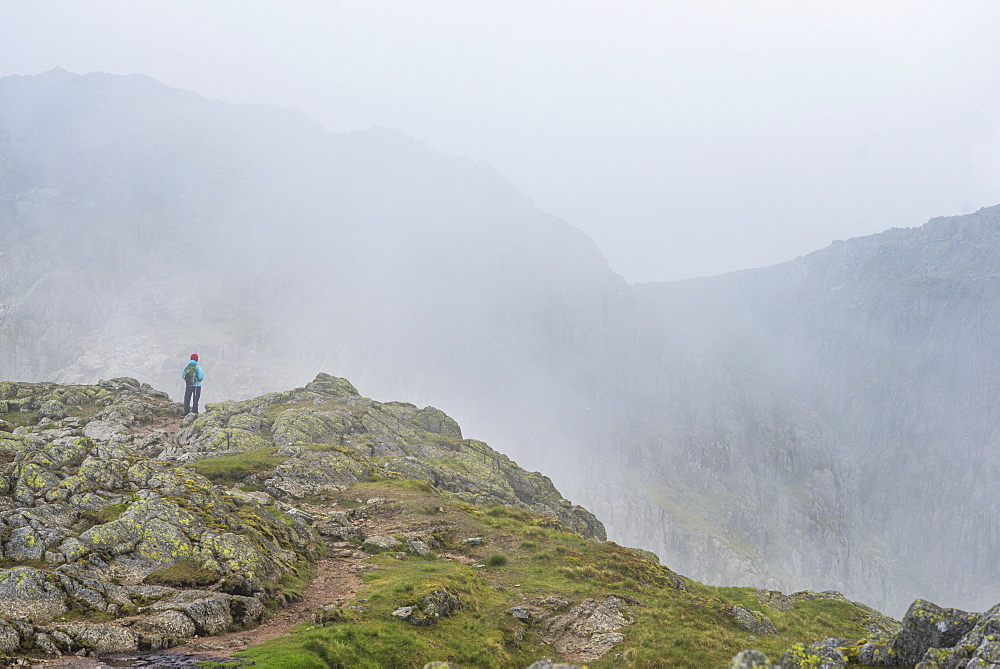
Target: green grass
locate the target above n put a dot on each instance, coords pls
(294, 583)
(528, 557)
(229, 470)
(105, 515)
(184, 574)
(373, 638)
(20, 418)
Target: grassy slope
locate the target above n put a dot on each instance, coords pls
(529, 556)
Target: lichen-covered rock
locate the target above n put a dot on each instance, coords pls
(877, 654)
(754, 622)
(328, 613)
(825, 654)
(314, 473)
(104, 517)
(403, 613)
(28, 594)
(438, 422)
(927, 625)
(210, 612)
(127, 531)
(750, 659)
(587, 632)
(522, 613)
(381, 544)
(437, 604)
(53, 409)
(10, 640)
(947, 658)
(165, 625)
(979, 647)
(101, 639)
(337, 532)
(102, 430)
(29, 543)
(418, 547)
(33, 481)
(332, 386)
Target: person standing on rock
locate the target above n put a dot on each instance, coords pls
(193, 376)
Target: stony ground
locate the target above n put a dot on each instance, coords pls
(337, 579)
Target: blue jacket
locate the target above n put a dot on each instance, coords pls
(201, 375)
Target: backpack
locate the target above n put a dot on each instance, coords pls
(191, 373)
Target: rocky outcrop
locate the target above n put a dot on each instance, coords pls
(590, 630)
(430, 609)
(328, 437)
(929, 637)
(107, 522)
(825, 654)
(933, 637)
(98, 529)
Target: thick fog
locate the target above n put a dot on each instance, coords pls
(794, 427)
(686, 138)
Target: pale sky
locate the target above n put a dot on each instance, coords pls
(687, 138)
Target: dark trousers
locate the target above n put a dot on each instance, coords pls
(191, 393)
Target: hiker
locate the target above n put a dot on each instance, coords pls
(193, 377)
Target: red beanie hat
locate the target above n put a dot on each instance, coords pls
(194, 356)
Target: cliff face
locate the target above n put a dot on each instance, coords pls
(836, 412)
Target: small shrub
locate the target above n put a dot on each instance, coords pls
(231, 469)
(496, 560)
(105, 515)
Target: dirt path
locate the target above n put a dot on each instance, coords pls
(337, 580)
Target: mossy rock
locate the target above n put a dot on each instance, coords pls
(184, 574)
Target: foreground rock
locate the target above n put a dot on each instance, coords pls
(933, 637)
(930, 637)
(139, 552)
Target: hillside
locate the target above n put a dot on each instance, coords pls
(128, 531)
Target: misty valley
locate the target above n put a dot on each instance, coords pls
(436, 425)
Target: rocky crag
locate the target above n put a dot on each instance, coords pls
(112, 541)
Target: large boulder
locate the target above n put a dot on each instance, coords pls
(101, 639)
(29, 594)
(825, 654)
(750, 659)
(927, 625)
(588, 631)
(754, 622)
